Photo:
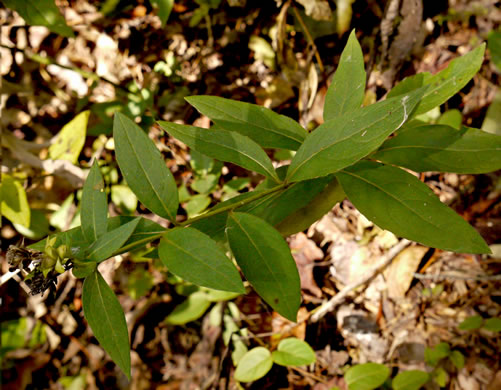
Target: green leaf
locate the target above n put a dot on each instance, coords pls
(14, 203)
(223, 145)
(452, 118)
(144, 232)
(144, 168)
(442, 148)
(107, 7)
(206, 184)
(189, 310)
(494, 45)
(94, 205)
(195, 257)
(293, 352)
(123, 197)
(234, 185)
(308, 25)
(457, 358)
(164, 9)
(451, 80)
(440, 376)
(263, 51)
(41, 13)
(347, 89)
(432, 356)
(267, 128)
(266, 262)
(215, 225)
(346, 139)
(139, 283)
(273, 208)
(69, 142)
(492, 120)
(408, 84)
(471, 323)
(366, 376)
(253, 365)
(200, 163)
(20, 333)
(110, 242)
(321, 204)
(83, 269)
(106, 319)
(197, 204)
(219, 296)
(277, 206)
(410, 380)
(59, 218)
(397, 201)
(493, 324)
(39, 226)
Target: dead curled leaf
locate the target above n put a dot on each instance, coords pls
(305, 252)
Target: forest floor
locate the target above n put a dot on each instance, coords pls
(256, 52)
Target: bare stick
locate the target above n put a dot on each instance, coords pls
(458, 277)
(8, 276)
(309, 38)
(340, 296)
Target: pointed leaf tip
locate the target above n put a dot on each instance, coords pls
(94, 205)
(107, 320)
(144, 168)
(266, 261)
(195, 257)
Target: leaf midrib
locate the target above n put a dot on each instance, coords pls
(166, 209)
(437, 148)
(114, 334)
(471, 239)
(113, 237)
(345, 97)
(439, 84)
(93, 201)
(93, 216)
(364, 375)
(209, 142)
(197, 258)
(390, 195)
(263, 259)
(337, 142)
(286, 135)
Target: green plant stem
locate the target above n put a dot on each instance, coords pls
(233, 206)
(209, 214)
(138, 243)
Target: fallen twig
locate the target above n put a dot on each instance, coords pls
(340, 296)
(457, 277)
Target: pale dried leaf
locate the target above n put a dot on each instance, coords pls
(317, 9)
(401, 271)
(343, 12)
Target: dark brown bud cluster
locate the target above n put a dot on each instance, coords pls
(40, 269)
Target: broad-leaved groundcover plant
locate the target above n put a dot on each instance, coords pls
(360, 153)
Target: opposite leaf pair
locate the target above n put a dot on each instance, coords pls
(260, 251)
